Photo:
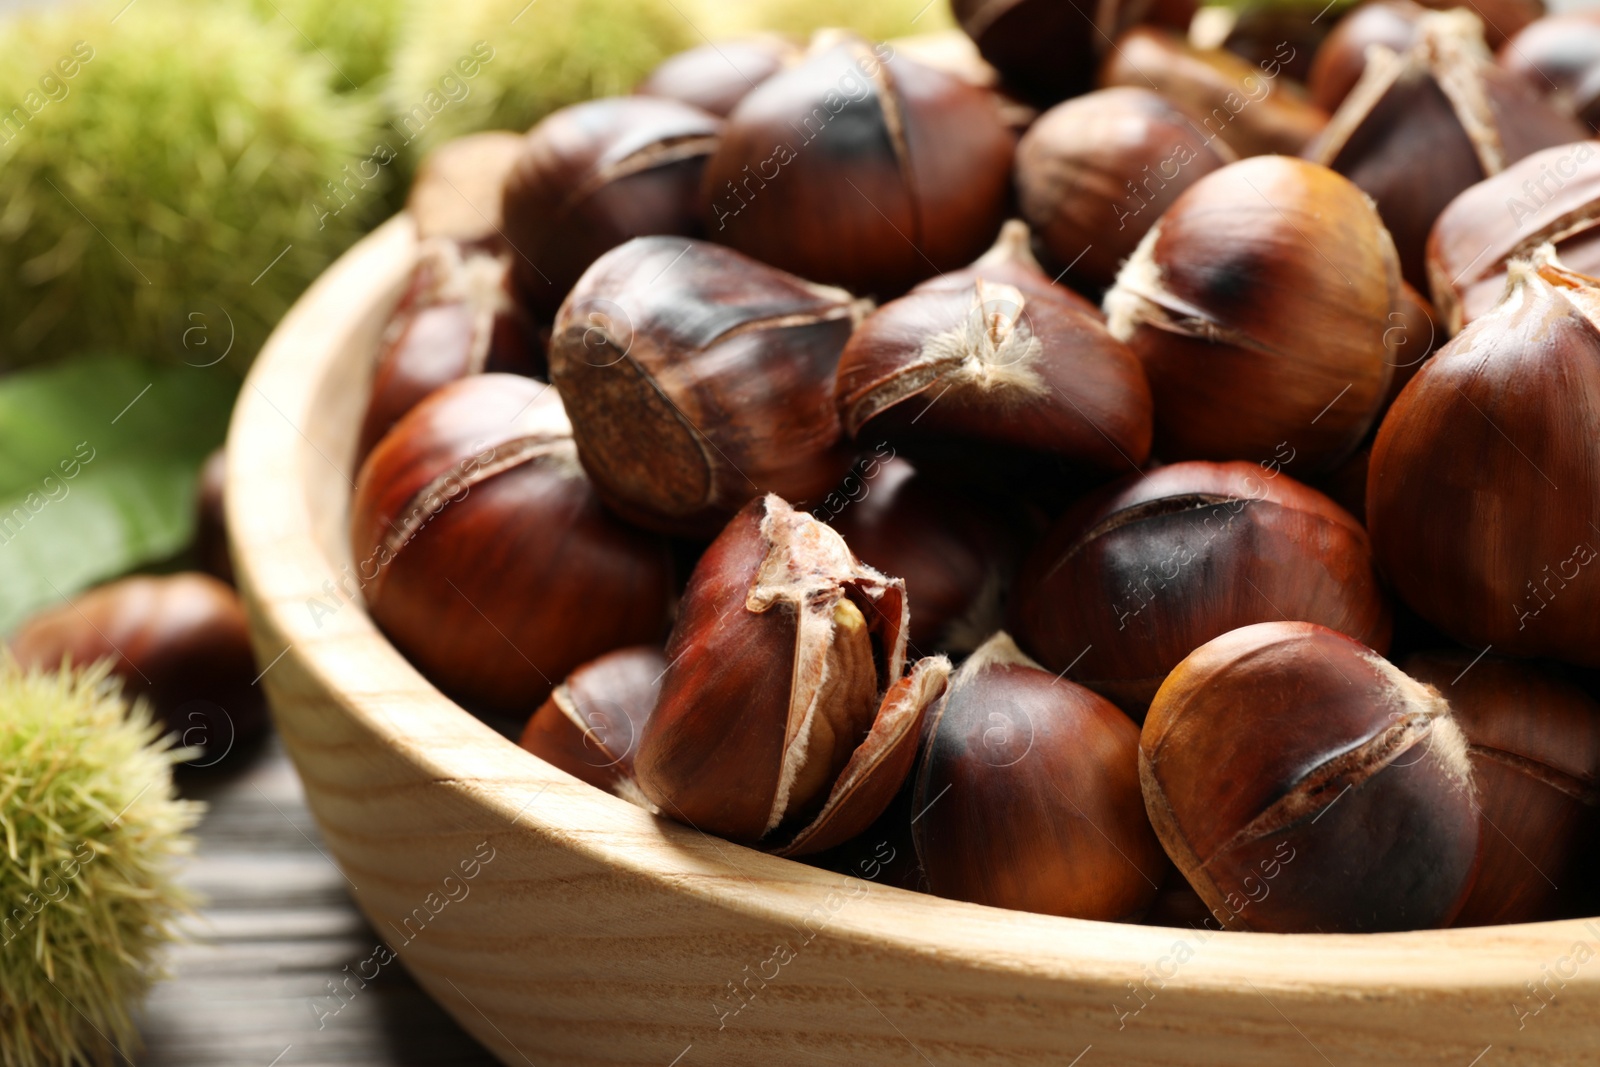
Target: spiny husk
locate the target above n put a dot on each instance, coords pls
(90, 827)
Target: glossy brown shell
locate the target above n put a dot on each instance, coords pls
(1137, 577)
(482, 550)
(714, 77)
(1303, 783)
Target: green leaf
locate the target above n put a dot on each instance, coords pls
(98, 458)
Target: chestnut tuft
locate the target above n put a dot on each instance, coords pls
(1043, 811)
(783, 718)
(1049, 50)
(955, 551)
(456, 318)
(1421, 126)
(996, 373)
(1138, 576)
(698, 379)
(1534, 739)
(1558, 57)
(591, 176)
(862, 169)
(1094, 174)
(590, 726)
(1502, 19)
(1551, 196)
(180, 641)
(1484, 493)
(1252, 107)
(459, 186)
(715, 77)
(1303, 783)
(484, 554)
(1260, 305)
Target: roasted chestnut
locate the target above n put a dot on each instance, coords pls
(1250, 106)
(1422, 126)
(1558, 57)
(1303, 783)
(1094, 174)
(862, 169)
(1340, 62)
(784, 718)
(1048, 50)
(1502, 19)
(591, 724)
(180, 641)
(211, 520)
(715, 77)
(459, 186)
(1553, 196)
(998, 375)
(457, 317)
(591, 176)
(1043, 813)
(1264, 32)
(1534, 740)
(484, 554)
(1484, 493)
(1141, 574)
(955, 551)
(698, 379)
(1260, 305)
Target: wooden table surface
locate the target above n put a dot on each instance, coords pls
(252, 987)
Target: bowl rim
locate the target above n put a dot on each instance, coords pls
(288, 555)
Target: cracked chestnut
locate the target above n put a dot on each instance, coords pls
(784, 719)
(1027, 795)
(1260, 306)
(860, 168)
(1302, 783)
(590, 725)
(483, 553)
(698, 379)
(994, 373)
(1138, 576)
(595, 174)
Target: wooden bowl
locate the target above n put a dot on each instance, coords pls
(561, 925)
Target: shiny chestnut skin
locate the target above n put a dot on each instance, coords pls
(180, 641)
(457, 318)
(994, 374)
(1340, 61)
(1553, 195)
(955, 550)
(1141, 574)
(1558, 57)
(483, 553)
(698, 379)
(211, 520)
(1253, 107)
(459, 186)
(1094, 174)
(1413, 146)
(590, 726)
(784, 717)
(1534, 740)
(715, 77)
(860, 168)
(1043, 809)
(1484, 491)
(1260, 305)
(1048, 50)
(1303, 783)
(1289, 35)
(595, 174)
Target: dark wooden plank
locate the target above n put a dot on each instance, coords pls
(255, 984)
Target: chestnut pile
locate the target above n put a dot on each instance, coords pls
(1044, 467)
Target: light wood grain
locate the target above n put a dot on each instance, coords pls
(600, 935)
